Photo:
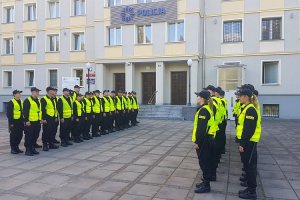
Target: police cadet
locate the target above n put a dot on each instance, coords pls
(136, 107)
(75, 92)
(130, 108)
(236, 109)
(78, 118)
(248, 133)
(112, 103)
(33, 119)
(119, 111)
(97, 112)
(49, 117)
(87, 107)
(55, 141)
(126, 113)
(106, 112)
(15, 121)
(223, 125)
(65, 110)
(203, 137)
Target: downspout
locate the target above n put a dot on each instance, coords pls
(203, 44)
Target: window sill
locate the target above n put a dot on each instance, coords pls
(232, 42)
(52, 52)
(7, 87)
(52, 18)
(113, 46)
(7, 54)
(29, 86)
(275, 40)
(28, 53)
(78, 51)
(78, 16)
(176, 42)
(29, 21)
(270, 84)
(143, 44)
(4, 23)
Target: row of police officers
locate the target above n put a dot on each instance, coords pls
(78, 117)
(209, 135)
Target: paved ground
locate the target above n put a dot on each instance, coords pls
(152, 161)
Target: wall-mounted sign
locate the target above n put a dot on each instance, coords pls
(144, 13)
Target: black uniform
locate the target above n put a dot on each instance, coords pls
(78, 123)
(106, 117)
(66, 125)
(88, 119)
(97, 118)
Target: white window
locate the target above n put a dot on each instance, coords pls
(29, 78)
(8, 46)
(7, 78)
(144, 34)
(30, 12)
(53, 9)
(53, 43)
(270, 72)
(79, 7)
(78, 42)
(29, 44)
(8, 14)
(232, 31)
(79, 73)
(114, 36)
(112, 3)
(53, 78)
(144, 1)
(176, 32)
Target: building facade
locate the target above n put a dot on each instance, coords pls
(144, 45)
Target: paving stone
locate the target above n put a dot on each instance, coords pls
(295, 184)
(144, 190)
(154, 178)
(35, 188)
(185, 173)
(99, 173)
(133, 197)
(92, 195)
(269, 183)
(12, 197)
(136, 168)
(180, 182)
(63, 192)
(210, 196)
(8, 184)
(172, 193)
(82, 182)
(162, 171)
(287, 194)
(112, 186)
(126, 176)
(9, 172)
(54, 179)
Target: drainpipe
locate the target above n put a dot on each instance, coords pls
(203, 44)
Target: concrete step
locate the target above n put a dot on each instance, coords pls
(161, 112)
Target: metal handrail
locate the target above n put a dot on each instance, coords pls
(152, 98)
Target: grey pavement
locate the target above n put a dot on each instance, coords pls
(155, 161)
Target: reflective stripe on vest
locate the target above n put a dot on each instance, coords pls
(119, 105)
(210, 124)
(88, 105)
(97, 105)
(67, 109)
(17, 108)
(50, 107)
(79, 108)
(112, 104)
(225, 108)
(240, 126)
(35, 112)
(106, 105)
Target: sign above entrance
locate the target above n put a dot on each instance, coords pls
(144, 13)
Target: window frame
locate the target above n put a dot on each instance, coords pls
(25, 18)
(72, 7)
(34, 76)
(48, 76)
(115, 34)
(272, 17)
(25, 44)
(176, 31)
(4, 46)
(144, 29)
(83, 75)
(137, 1)
(73, 41)
(4, 10)
(12, 79)
(242, 30)
(107, 3)
(48, 11)
(48, 42)
(278, 75)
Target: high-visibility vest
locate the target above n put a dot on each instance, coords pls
(50, 107)
(79, 108)
(112, 104)
(225, 108)
(119, 104)
(67, 108)
(17, 111)
(135, 103)
(237, 108)
(240, 125)
(106, 105)
(35, 112)
(210, 124)
(129, 103)
(97, 105)
(125, 102)
(74, 96)
(88, 105)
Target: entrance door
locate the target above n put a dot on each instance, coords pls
(119, 81)
(149, 86)
(178, 88)
(230, 97)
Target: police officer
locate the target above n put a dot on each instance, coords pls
(79, 117)
(112, 102)
(106, 114)
(221, 93)
(119, 111)
(97, 112)
(87, 107)
(203, 137)
(65, 110)
(126, 113)
(49, 117)
(53, 138)
(15, 121)
(75, 92)
(248, 133)
(136, 107)
(33, 119)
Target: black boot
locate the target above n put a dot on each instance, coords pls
(35, 152)
(69, 143)
(19, 150)
(198, 185)
(14, 150)
(244, 184)
(243, 179)
(64, 143)
(37, 146)
(243, 191)
(248, 194)
(53, 146)
(204, 188)
(45, 147)
(56, 141)
(28, 152)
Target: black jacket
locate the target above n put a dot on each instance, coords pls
(250, 123)
(10, 111)
(203, 118)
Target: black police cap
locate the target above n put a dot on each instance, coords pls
(17, 92)
(204, 94)
(35, 89)
(210, 87)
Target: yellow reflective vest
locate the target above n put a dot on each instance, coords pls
(88, 105)
(67, 108)
(119, 103)
(17, 112)
(50, 107)
(97, 107)
(129, 103)
(112, 104)
(225, 114)
(106, 105)
(125, 102)
(237, 108)
(35, 112)
(135, 103)
(79, 108)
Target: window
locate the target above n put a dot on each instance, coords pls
(114, 36)
(53, 9)
(53, 43)
(8, 46)
(79, 73)
(230, 76)
(270, 72)
(29, 44)
(271, 110)
(144, 34)
(7, 78)
(30, 12)
(271, 28)
(8, 14)
(79, 7)
(232, 31)
(53, 78)
(176, 32)
(112, 3)
(29, 78)
(144, 1)
(78, 41)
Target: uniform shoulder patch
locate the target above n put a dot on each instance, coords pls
(202, 117)
(249, 117)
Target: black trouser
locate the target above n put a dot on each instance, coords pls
(32, 133)
(206, 158)
(112, 120)
(96, 123)
(53, 136)
(218, 146)
(126, 118)
(78, 127)
(65, 129)
(48, 130)
(16, 132)
(119, 119)
(223, 126)
(249, 159)
(88, 123)
(135, 113)
(105, 121)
